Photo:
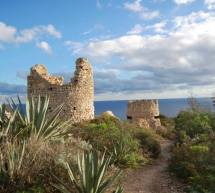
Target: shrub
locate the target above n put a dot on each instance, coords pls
(194, 123)
(108, 134)
(167, 130)
(149, 142)
(193, 157)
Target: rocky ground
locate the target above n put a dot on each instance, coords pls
(153, 178)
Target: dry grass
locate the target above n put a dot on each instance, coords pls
(41, 162)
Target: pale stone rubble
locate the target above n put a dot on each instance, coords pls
(144, 113)
(77, 96)
(108, 114)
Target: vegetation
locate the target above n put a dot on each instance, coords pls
(168, 127)
(193, 157)
(35, 148)
(34, 120)
(92, 173)
(129, 145)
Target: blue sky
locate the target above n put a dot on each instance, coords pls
(138, 48)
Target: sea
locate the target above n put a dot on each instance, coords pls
(168, 107)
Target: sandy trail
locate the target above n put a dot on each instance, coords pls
(153, 178)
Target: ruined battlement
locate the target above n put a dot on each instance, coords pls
(145, 113)
(77, 96)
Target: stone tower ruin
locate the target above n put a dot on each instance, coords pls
(77, 96)
(144, 113)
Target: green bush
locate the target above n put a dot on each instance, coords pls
(194, 123)
(148, 142)
(168, 127)
(125, 142)
(193, 157)
(108, 134)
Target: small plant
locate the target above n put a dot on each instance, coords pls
(11, 160)
(91, 177)
(125, 152)
(120, 150)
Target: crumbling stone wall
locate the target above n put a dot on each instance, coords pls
(77, 96)
(144, 113)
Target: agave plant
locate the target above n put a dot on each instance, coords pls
(120, 150)
(36, 120)
(91, 177)
(11, 159)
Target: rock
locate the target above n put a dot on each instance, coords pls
(39, 69)
(108, 114)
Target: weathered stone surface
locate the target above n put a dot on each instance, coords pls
(144, 113)
(77, 96)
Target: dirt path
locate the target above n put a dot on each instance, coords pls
(153, 178)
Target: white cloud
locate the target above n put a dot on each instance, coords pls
(180, 2)
(181, 59)
(193, 18)
(74, 46)
(138, 8)
(9, 34)
(210, 4)
(28, 35)
(134, 6)
(149, 14)
(137, 29)
(51, 30)
(158, 27)
(45, 47)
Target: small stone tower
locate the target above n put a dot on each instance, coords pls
(77, 96)
(144, 113)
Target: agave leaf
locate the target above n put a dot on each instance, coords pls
(11, 120)
(118, 190)
(61, 186)
(101, 173)
(21, 157)
(73, 178)
(37, 121)
(107, 183)
(15, 107)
